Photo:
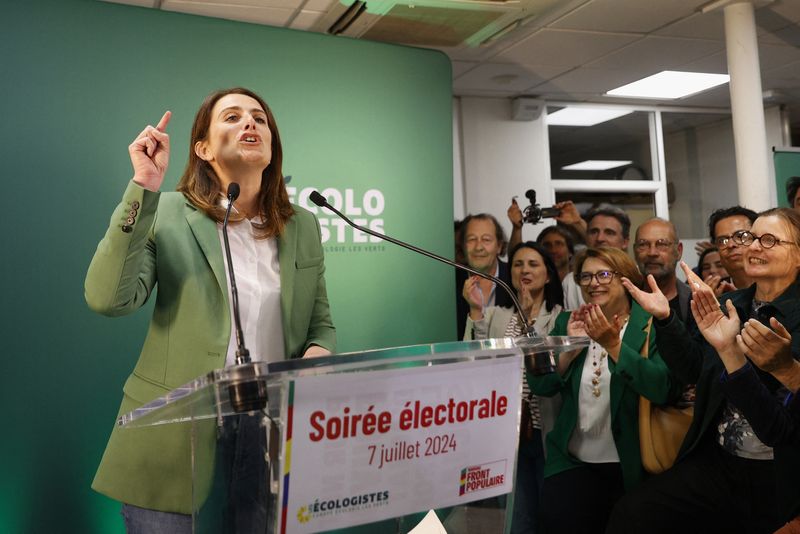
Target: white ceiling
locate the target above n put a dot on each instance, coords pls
(566, 50)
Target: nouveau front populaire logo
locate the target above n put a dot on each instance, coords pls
(482, 477)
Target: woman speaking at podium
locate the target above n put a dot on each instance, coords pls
(175, 240)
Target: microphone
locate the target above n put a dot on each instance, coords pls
(320, 201)
(251, 394)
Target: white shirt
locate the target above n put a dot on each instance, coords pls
(592, 440)
(573, 296)
(258, 280)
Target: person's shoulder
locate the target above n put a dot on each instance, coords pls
(302, 215)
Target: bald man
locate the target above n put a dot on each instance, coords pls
(657, 251)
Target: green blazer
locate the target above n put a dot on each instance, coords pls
(631, 376)
(173, 244)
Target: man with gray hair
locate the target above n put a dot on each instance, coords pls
(657, 251)
(607, 226)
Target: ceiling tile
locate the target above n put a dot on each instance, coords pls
(626, 15)
(270, 16)
(714, 64)
(698, 26)
(776, 56)
(657, 53)
(504, 77)
(566, 48)
(588, 81)
(790, 71)
(717, 97)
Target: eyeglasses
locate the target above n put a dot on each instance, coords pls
(722, 241)
(746, 239)
(603, 277)
(662, 244)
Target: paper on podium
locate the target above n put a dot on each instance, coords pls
(430, 524)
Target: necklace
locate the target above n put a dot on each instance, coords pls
(597, 364)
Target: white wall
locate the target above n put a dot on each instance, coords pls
(701, 166)
(497, 158)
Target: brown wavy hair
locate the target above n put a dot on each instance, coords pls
(201, 185)
(616, 259)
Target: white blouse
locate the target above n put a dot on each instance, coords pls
(257, 271)
(592, 440)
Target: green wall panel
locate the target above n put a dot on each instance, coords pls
(80, 79)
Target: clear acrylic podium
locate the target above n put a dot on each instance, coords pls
(240, 455)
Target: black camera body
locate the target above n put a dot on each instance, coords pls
(535, 213)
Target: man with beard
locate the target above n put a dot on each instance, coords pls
(657, 252)
(723, 224)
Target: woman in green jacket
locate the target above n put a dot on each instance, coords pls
(173, 240)
(593, 451)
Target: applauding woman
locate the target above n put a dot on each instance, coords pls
(174, 240)
(593, 451)
(535, 278)
(739, 463)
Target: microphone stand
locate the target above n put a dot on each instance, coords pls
(250, 394)
(541, 365)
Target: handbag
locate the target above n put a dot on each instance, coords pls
(661, 428)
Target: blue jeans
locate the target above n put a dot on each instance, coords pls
(238, 500)
(144, 521)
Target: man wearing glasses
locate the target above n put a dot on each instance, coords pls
(657, 251)
(723, 224)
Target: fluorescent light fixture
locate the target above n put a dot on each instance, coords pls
(670, 84)
(580, 116)
(596, 165)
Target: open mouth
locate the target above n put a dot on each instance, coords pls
(757, 261)
(250, 139)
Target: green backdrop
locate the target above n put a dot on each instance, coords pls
(787, 164)
(80, 79)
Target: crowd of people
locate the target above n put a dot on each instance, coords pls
(720, 348)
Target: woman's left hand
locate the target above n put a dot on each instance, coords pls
(525, 298)
(603, 331)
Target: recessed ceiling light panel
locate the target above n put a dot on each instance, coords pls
(670, 84)
(596, 165)
(581, 116)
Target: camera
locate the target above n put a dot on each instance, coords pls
(535, 213)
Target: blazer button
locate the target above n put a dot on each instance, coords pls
(135, 205)
(130, 220)
(127, 229)
(133, 213)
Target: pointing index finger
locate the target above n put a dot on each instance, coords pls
(162, 124)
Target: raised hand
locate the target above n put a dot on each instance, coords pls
(576, 326)
(568, 213)
(701, 246)
(474, 296)
(150, 155)
(718, 285)
(655, 303)
(719, 330)
(771, 350)
(515, 214)
(525, 298)
(603, 331)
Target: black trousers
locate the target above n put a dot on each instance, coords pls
(711, 491)
(579, 500)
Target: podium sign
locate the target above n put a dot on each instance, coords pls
(382, 444)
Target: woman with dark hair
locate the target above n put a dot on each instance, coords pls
(713, 273)
(593, 454)
(173, 240)
(535, 278)
(738, 466)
